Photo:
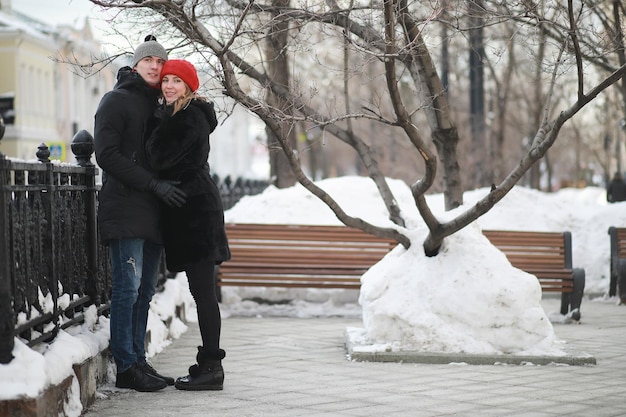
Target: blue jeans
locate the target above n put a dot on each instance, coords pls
(135, 267)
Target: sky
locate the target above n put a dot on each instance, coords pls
(73, 13)
(467, 299)
(56, 12)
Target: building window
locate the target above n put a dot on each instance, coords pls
(7, 109)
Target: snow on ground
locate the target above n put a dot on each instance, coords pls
(454, 301)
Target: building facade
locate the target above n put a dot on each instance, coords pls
(44, 96)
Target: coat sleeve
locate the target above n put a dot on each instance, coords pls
(212, 118)
(108, 136)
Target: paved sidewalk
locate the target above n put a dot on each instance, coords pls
(290, 367)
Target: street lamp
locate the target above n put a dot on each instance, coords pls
(2, 130)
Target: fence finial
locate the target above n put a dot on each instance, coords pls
(43, 153)
(83, 147)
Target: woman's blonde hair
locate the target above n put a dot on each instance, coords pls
(183, 101)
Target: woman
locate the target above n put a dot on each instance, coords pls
(194, 235)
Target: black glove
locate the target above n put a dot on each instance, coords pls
(166, 191)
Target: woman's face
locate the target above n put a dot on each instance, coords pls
(172, 88)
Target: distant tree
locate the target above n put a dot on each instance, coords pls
(477, 118)
(277, 62)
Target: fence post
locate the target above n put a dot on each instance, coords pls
(83, 147)
(48, 200)
(7, 318)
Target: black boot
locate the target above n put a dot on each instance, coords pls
(206, 375)
(135, 378)
(148, 369)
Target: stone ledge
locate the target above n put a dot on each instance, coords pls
(50, 403)
(362, 352)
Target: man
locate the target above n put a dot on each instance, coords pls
(128, 212)
(616, 191)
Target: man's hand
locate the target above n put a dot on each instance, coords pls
(168, 192)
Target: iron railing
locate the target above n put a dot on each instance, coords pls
(52, 264)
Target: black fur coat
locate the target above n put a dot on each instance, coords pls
(178, 149)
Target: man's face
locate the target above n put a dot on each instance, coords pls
(150, 69)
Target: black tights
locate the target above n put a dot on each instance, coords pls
(204, 292)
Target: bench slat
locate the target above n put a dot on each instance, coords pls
(621, 241)
(300, 256)
(542, 254)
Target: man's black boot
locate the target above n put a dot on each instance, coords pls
(135, 378)
(148, 369)
(206, 375)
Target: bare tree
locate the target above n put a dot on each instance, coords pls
(397, 34)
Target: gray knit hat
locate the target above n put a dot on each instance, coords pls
(150, 47)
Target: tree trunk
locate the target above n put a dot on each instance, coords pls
(534, 173)
(436, 109)
(481, 166)
(278, 71)
(621, 55)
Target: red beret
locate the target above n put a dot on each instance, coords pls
(183, 70)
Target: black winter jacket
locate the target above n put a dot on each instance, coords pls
(125, 208)
(178, 149)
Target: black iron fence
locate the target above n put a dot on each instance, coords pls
(232, 191)
(52, 266)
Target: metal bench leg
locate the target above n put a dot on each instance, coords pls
(621, 280)
(613, 282)
(614, 268)
(576, 297)
(565, 302)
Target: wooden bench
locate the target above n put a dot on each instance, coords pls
(304, 256)
(548, 256)
(618, 262)
(299, 256)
